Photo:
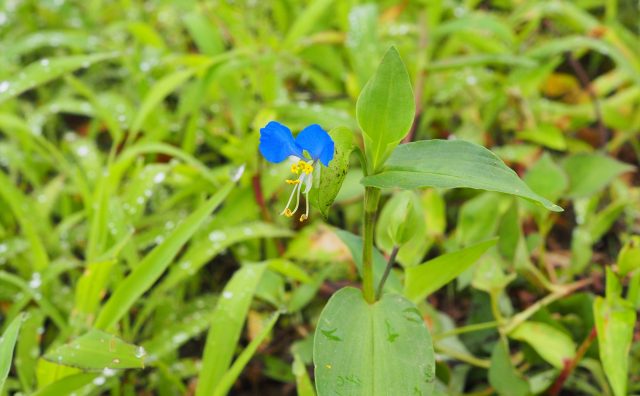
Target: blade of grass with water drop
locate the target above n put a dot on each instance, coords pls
(97, 350)
(155, 263)
(45, 70)
(228, 320)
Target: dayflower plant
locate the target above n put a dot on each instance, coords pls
(312, 146)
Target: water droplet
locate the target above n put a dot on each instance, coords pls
(3, 247)
(116, 361)
(179, 338)
(4, 86)
(159, 178)
(217, 236)
(44, 62)
(35, 281)
(185, 265)
(82, 151)
(227, 294)
(108, 372)
(140, 352)
(99, 381)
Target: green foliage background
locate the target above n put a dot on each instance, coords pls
(140, 243)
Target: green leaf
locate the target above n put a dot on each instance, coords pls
(7, 344)
(97, 350)
(385, 109)
(306, 21)
(546, 135)
(231, 375)
(331, 178)
(372, 349)
(156, 262)
(503, 376)
(553, 345)
(426, 278)
(615, 320)
(451, 164)
(45, 70)
(589, 173)
(228, 320)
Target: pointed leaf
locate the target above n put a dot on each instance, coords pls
(385, 108)
(451, 164)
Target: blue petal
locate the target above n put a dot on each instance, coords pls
(317, 142)
(276, 142)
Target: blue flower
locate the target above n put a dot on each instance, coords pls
(312, 145)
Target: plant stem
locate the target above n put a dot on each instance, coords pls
(371, 200)
(392, 259)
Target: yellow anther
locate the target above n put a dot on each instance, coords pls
(295, 168)
(306, 168)
(294, 181)
(303, 217)
(287, 212)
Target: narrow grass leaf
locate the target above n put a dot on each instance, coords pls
(231, 375)
(155, 263)
(7, 344)
(45, 70)
(227, 323)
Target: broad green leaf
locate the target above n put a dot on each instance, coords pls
(426, 278)
(615, 322)
(45, 70)
(503, 376)
(156, 262)
(451, 164)
(553, 345)
(354, 243)
(231, 375)
(372, 349)
(331, 178)
(385, 109)
(589, 173)
(228, 320)
(7, 344)
(97, 350)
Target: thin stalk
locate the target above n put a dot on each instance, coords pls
(371, 200)
(392, 259)
(465, 329)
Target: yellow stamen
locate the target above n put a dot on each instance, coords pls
(296, 181)
(295, 168)
(303, 217)
(287, 212)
